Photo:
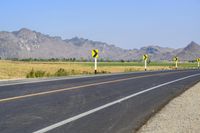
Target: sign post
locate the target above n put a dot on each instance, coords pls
(145, 58)
(145, 65)
(95, 65)
(176, 61)
(198, 61)
(95, 56)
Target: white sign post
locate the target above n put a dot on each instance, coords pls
(145, 65)
(176, 64)
(145, 58)
(198, 61)
(95, 56)
(95, 66)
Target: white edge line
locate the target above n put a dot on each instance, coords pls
(51, 127)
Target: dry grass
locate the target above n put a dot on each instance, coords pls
(16, 69)
(19, 69)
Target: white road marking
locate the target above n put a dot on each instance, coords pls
(51, 127)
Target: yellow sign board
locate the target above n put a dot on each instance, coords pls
(198, 59)
(175, 58)
(95, 53)
(145, 57)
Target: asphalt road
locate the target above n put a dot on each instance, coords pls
(117, 103)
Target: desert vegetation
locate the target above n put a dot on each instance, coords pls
(34, 69)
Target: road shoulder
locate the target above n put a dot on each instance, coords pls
(182, 114)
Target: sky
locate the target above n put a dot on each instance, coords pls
(125, 23)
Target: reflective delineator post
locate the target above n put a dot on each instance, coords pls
(145, 58)
(95, 65)
(176, 64)
(95, 56)
(145, 65)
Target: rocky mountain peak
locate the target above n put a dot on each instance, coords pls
(24, 31)
(192, 46)
(26, 34)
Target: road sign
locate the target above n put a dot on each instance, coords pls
(95, 53)
(175, 58)
(198, 59)
(176, 61)
(145, 57)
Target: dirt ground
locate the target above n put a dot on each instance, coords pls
(181, 115)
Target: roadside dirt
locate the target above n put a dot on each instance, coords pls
(181, 115)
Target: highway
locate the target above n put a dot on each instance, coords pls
(112, 103)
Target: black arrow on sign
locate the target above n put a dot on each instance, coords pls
(145, 57)
(95, 53)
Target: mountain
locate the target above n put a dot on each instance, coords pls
(190, 52)
(26, 43)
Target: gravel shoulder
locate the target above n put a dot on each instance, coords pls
(181, 115)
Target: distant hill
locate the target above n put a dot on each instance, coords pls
(190, 52)
(26, 43)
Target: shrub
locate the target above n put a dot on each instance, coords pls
(35, 74)
(39, 74)
(31, 74)
(61, 72)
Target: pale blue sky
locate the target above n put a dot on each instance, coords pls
(125, 23)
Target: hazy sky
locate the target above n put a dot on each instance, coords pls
(125, 23)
